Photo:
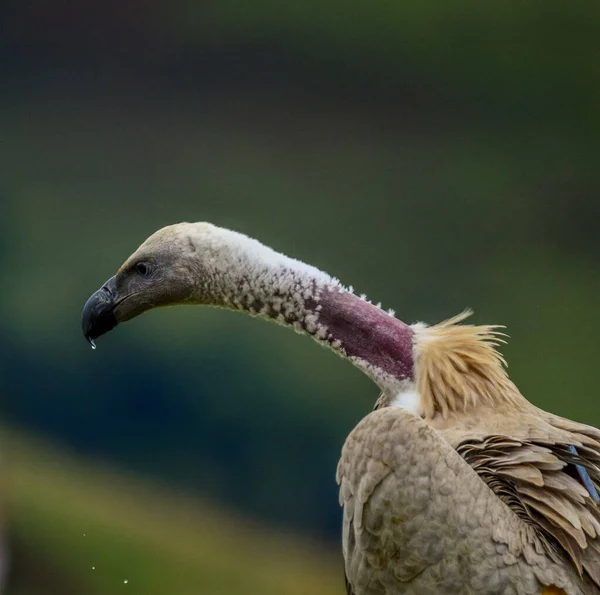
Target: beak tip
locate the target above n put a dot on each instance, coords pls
(98, 317)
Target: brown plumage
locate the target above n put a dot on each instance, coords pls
(455, 484)
(470, 408)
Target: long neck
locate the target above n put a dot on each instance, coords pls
(253, 278)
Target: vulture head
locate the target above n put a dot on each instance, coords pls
(171, 267)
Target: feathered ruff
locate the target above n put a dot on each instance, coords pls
(458, 368)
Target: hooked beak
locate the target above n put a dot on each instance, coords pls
(98, 315)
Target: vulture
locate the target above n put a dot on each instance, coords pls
(454, 483)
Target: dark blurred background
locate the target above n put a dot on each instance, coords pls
(436, 156)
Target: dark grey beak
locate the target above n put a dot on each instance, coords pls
(97, 317)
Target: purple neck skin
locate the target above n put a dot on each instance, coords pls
(368, 333)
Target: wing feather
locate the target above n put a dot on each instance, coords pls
(539, 479)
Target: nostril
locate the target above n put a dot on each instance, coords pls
(108, 289)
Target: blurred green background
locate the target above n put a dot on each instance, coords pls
(434, 155)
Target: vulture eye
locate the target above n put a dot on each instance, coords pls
(143, 268)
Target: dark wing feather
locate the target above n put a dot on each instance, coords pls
(543, 483)
(585, 477)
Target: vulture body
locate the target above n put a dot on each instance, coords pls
(455, 483)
